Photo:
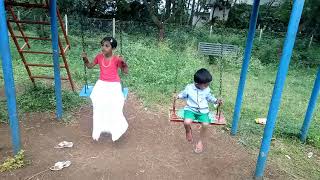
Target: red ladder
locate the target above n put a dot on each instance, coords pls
(26, 47)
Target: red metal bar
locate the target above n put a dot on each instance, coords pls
(44, 65)
(36, 52)
(35, 38)
(19, 50)
(66, 65)
(47, 77)
(26, 5)
(30, 22)
(19, 27)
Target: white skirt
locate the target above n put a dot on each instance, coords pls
(108, 100)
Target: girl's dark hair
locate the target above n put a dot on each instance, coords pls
(112, 41)
(202, 76)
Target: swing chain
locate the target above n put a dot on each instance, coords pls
(221, 59)
(83, 50)
(120, 37)
(176, 75)
(220, 87)
(220, 80)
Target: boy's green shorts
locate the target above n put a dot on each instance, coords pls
(200, 117)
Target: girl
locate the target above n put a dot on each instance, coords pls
(106, 96)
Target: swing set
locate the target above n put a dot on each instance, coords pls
(211, 49)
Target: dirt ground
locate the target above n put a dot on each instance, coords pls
(152, 148)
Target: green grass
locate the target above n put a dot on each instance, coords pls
(153, 68)
(42, 99)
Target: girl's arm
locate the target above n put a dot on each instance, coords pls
(86, 61)
(123, 65)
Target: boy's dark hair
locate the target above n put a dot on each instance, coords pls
(202, 76)
(113, 41)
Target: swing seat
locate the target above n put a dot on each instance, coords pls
(125, 92)
(178, 116)
(86, 91)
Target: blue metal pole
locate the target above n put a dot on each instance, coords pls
(311, 106)
(57, 79)
(245, 66)
(278, 87)
(9, 80)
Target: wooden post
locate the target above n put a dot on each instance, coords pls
(113, 27)
(211, 14)
(260, 36)
(66, 23)
(311, 39)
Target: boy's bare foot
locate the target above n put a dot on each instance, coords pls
(198, 147)
(189, 135)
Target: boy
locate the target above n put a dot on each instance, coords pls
(197, 96)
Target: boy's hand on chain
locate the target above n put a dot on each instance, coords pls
(175, 96)
(219, 102)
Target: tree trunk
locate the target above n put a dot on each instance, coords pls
(174, 7)
(168, 9)
(199, 7)
(159, 23)
(197, 13)
(161, 31)
(179, 7)
(188, 4)
(192, 12)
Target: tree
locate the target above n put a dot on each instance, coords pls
(192, 12)
(311, 18)
(158, 18)
(239, 16)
